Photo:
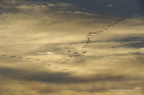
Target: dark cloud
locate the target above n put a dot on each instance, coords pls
(60, 77)
(99, 81)
(132, 38)
(133, 41)
(9, 72)
(136, 45)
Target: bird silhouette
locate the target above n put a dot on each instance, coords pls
(13, 56)
(75, 53)
(84, 51)
(38, 59)
(88, 35)
(49, 64)
(69, 51)
(3, 55)
(63, 62)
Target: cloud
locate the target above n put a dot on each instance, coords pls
(110, 5)
(41, 33)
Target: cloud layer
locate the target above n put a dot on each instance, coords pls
(35, 40)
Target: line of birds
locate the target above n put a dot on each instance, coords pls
(70, 53)
(28, 58)
(90, 34)
(20, 57)
(88, 41)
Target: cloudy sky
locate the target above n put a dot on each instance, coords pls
(67, 47)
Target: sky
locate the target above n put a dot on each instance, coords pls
(71, 47)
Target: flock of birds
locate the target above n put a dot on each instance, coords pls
(70, 53)
(89, 41)
(19, 57)
(26, 58)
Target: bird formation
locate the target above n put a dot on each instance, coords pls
(90, 34)
(19, 57)
(71, 54)
(28, 58)
(88, 41)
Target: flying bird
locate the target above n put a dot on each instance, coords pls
(69, 51)
(49, 64)
(63, 62)
(101, 31)
(68, 60)
(88, 39)
(86, 45)
(38, 59)
(94, 32)
(13, 56)
(109, 25)
(84, 51)
(88, 35)
(75, 53)
(71, 56)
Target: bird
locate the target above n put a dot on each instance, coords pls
(88, 35)
(69, 51)
(49, 64)
(101, 31)
(75, 53)
(94, 32)
(109, 25)
(63, 62)
(71, 56)
(68, 60)
(13, 56)
(84, 51)
(88, 39)
(38, 59)
(86, 45)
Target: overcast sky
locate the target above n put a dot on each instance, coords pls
(67, 47)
